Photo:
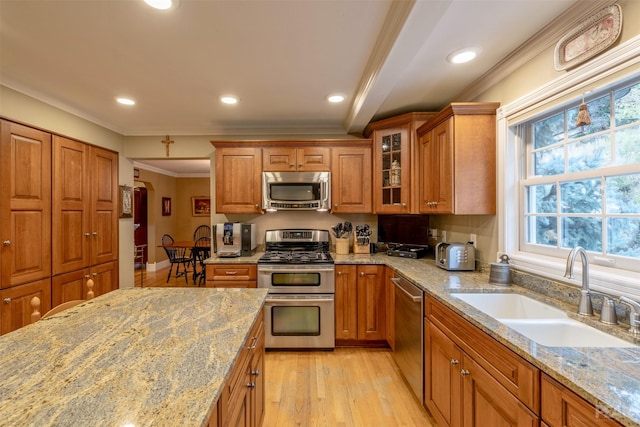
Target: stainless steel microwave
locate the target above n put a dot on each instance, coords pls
(296, 191)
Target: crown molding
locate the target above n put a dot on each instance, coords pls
(542, 40)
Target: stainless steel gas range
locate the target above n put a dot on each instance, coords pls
(298, 271)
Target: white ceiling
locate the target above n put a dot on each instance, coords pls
(281, 57)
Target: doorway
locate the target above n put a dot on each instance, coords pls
(140, 224)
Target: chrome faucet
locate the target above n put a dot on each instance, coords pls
(634, 314)
(585, 307)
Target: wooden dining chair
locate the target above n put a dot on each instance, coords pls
(35, 304)
(201, 251)
(178, 257)
(202, 231)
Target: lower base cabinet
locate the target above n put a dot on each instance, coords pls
(16, 304)
(360, 304)
(231, 276)
(241, 403)
(471, 379)
(563, 408)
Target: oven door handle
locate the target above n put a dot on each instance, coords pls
(285, 269)
(289, 300)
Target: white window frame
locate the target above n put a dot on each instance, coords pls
(511, 156)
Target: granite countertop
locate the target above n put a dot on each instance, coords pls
(608, 378)
(154, 356)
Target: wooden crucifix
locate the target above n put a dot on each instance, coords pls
(167, 141)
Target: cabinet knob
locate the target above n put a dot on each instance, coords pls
(256, 372)
(257, 206)
(7, 243)
(86, 276)
(339, 273)
(87, 234)
(7, 300)
(95, 274)
(404, 205)
(300, 165)
(362, 274)
(464, 373)
(251, 385)
(95, 233)
(454, 362)
(335, 205)
(292, 164)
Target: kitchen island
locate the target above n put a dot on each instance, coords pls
(154, 356)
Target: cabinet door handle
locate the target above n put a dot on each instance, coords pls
(7, 300)
(464, 373)
(7, 243)
(454, 362)
(230, 273)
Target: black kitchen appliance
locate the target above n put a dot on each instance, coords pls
(407, 251)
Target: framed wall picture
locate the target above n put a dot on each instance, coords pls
(166, 206)
(201, 206)
(589, 38)
(125, 201)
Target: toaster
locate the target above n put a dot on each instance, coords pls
(456, 256)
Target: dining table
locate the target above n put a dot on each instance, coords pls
(130, 357)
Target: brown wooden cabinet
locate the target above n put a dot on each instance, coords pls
(351, 179)
(85, 219)
(291, 159)
(472, 380)
(458, 160)
(563, 408)
(25, 204)
(16, 303)
(242, 401)
(395, 163)
(238, 179)
(231, 275)
(360, 302)
(25, 223)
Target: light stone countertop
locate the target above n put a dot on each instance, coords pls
(137, 357)
(608, 378)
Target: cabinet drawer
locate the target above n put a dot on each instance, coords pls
(562, 407)
(517, 375)
(231, 272)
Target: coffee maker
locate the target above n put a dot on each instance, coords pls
(234, 239)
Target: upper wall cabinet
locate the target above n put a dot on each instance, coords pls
(239, 166)
(351, 178)
(458, 160)
(395, 163)
(238, 179)
(291, 159)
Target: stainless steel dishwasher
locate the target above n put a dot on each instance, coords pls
(408, 333)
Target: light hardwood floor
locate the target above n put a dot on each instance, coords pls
(347, 387)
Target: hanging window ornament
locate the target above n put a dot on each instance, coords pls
(584, 118)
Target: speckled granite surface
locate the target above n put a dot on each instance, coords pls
(609, 378)
(155, 356)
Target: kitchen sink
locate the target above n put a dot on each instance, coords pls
(540, 322)
(564, 333)
(511, 306)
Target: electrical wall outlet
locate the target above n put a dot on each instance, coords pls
(443, 235)
(473, 239)
(433, 233)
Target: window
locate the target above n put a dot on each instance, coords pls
(580, 185)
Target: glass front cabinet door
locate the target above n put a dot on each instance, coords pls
(395, 164)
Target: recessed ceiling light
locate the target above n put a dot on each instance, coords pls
(125, 101)
(159, 4)
(229, 99)
(463, 55)
(335, 98)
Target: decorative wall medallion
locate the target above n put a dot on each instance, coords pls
(589, 38)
